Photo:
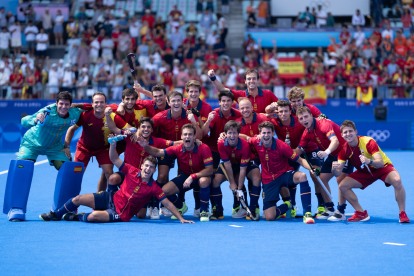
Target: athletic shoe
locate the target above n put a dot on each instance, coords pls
(325, 215)
(165, 212)
(320, 211)
(72, 216)
(253, 214)
(196, 213)
(204, 216)
(337, 216)
(307, 218)
(182, 211)
(49, 216)
(217, 215)
(154, 213)
(239, 213)
(404, 218)
(359, 216)
(149, 212)
(289, 204)
(293, 211)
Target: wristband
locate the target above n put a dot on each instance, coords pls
(328, 151)
(213, 78)
(370, 162)
(194, 176)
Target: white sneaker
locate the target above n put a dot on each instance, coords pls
(325, 215)
(241, 213)
(149, 212)
(155, 214)
(165, 212)
(196, 213)
(337, 216)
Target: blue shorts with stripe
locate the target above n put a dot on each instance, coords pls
(312, 157)
(236, 167)
(167, 161)
(104, 201)
(179, 182)
(327, 165)
(271, 190)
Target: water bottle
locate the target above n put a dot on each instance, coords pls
(287, 140)
(116, 138)
(46, 112)
(132, 129)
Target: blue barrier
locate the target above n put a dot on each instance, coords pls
(396, 133)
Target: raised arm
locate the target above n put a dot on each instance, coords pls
(113, 154)
(30, 120)
(216, 83)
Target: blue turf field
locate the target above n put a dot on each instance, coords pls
(166, 247)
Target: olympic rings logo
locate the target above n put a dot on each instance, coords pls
(379, 135)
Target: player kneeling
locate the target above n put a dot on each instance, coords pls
(235, 153)
(118, 206)
(372, 164)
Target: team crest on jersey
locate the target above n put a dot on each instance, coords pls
(142, 153)
(176, 128)
(105, 125)
(267, 157)
(190, 162)
(255, 106)
(72, 122)
(251, 133)
(233, 155)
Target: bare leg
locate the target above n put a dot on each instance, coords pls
(98, 216)
(346, 186)
(85, 200)
(270, 213)
(394, 179)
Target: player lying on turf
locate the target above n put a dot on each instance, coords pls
(277, 174)
(196, 164)
(118, 206)
(372, 164)
(235, 153)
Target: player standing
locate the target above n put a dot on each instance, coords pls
(193, 89)
(277, 174)
(327, 135)
(196, 163)
(372, 164)
(260, 98)
(235, 153)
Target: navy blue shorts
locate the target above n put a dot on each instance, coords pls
(167, 161)
(312, 157)
(179, 182)
(236, 167)
(104, 201)
(327, 165)
(216, 159)
(271, 190)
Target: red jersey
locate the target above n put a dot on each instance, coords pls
(135, 154)
(313, 109)
(168, 78)
(352, 80)
(191, 161)
(237, 155)
(95, 131)
(252, 129)
(203, 107)
(323, 130)
(320, 79)
(367, 147)
(151, 107)
(134, 194)
(217, 126)
(150, 19)
(265, 76)
(170, 128)
(263, 98)
(363, 79)
(344, 36)
(330, 79)
(274, 160)
(294, 130)
(16, 78)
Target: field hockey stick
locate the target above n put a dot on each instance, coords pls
(316, 172)
(363, 164)
(132, 67)
(242, 202)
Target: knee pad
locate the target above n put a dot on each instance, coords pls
(19, 180)
(68, 183)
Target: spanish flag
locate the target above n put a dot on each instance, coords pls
(364, 95)
(78, 169)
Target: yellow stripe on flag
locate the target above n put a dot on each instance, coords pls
(78, 169)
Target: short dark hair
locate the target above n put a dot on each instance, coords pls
(98, 94)
(232, 124)
(152, 159)
(159, 87)
(146, 119)
(189, 126)
(266, 124)
(251, 71)
(129, 92)
(225, 93)
(64, 95)
(173, 94)
(348, 123)
(284, 103)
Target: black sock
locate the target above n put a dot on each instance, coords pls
(321, 202)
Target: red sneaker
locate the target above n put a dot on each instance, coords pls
(404, 218)
(359, 216)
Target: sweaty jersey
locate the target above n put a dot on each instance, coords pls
(323, 130)
(50, 134)
(95, 130)
(313, 109)
(262, 99)
(294, 130)
(134, 194)
(274, 160)
(366, 147)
